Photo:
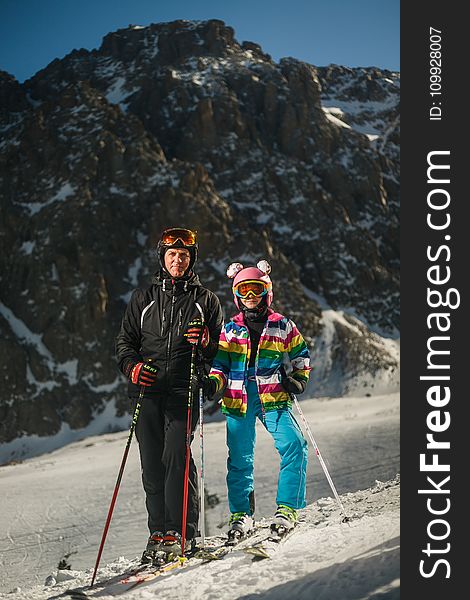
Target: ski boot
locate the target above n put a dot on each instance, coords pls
(171, 545)
(153, 548)
(285, 519)
(241, 525)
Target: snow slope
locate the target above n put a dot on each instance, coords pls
(54, 508)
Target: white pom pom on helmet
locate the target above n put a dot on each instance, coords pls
(233, 269)
(239, 273)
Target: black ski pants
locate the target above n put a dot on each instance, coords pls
(161, 433)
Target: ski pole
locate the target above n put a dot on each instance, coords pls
(201, 478)
(320, 458)
(188, 452)
(201, 439)
(118, 482)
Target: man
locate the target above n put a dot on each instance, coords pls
(160, 327)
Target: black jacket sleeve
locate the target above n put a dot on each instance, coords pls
(128, 340)
(214, 322)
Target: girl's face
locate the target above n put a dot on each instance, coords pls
(250, 302)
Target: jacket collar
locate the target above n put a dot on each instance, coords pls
(272, 317)
(163, 280)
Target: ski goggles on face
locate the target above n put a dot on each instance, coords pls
(244, 289)
(185, 236)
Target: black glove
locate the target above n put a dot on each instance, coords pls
(212, 406)
(143, 374)
(209, 387)
(293, 385)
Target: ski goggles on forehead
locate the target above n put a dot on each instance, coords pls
(245, 289)
(185, 236)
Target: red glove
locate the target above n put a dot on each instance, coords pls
(143, 374)
(197, 334)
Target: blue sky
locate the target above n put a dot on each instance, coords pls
(345, 32)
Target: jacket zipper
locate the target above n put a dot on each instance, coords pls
(170, 328)
(180, 321)
(245, 378)
(263, 333)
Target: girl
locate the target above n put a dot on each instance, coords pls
(257, 349)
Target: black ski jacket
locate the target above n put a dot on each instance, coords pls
(153, 327)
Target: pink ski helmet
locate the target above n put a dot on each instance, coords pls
(260, 273)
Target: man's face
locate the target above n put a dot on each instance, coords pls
(177, 261)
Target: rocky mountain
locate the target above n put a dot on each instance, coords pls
(179, 123)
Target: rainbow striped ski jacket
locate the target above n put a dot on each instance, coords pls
(280, 340)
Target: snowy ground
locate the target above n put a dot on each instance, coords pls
(54, 508)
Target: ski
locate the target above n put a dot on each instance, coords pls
(177, 563)
(122, 584)
(196, 558)
(174, 562)
(202, 555)
(236, 537)
(266, 547)
(77, 593)
(136, 576)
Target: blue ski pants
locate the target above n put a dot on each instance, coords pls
(289, 442)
